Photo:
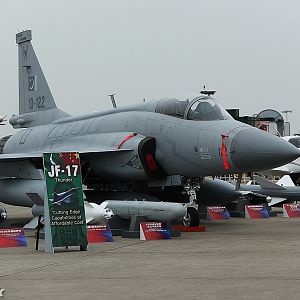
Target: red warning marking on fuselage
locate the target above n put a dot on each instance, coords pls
(126, 138)
(224, 153)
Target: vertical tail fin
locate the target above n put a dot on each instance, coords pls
(36, 103)
(285, 181)
(34, 92)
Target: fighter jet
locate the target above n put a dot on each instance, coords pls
(168, 142)
(283, 190)
(292, 168)
(64, 197)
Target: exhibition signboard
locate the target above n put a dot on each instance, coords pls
(217, 213)
(256, 211)
(64, 207)
(154, 231)
(12, 237)
(99, 234)
(291, 210)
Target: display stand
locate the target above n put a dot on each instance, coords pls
(134, 227)
(131, 228)
(117, 225)
(237, 208)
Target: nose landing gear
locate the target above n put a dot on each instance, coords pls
(191, 218)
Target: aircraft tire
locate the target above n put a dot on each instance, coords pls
(3, 214)
(192, 218)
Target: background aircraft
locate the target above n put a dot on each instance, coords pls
(166, 143)
(292, 168)
(284, 190)
(2, 120)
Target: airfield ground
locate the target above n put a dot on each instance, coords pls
(236, 259)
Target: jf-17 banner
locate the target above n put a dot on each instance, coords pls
(65, 199)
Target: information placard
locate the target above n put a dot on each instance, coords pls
(12, 237)
(256, 211)
(65, 199)
(99, 234)
(291, 210)
(154, 231)
(217, 213)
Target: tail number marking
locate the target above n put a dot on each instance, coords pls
(37, 103)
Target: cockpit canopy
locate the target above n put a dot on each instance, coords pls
(200, 108)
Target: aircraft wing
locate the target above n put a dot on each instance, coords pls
(37, 155)
(20, 156)
(25, 166)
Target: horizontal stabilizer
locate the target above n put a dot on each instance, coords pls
(266, 184)
(276, 201)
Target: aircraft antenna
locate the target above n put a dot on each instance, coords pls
(113, 101)
(206, 92)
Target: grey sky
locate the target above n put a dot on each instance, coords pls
(247, 50)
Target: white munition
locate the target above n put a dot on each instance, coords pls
(155, 211)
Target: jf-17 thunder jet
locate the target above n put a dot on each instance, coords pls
(152, 148)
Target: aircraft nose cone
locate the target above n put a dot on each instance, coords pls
(255, 150)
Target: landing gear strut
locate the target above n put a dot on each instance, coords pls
(191, 218)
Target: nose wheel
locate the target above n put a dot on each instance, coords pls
(191, 218)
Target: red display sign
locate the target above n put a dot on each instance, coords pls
(291, 210)
(256, 211)
(154, 231)
(99, 234)
(12, 237)
(216, 213)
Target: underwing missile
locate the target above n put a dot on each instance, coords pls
(155, 211)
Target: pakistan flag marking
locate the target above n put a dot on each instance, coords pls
(65, 199)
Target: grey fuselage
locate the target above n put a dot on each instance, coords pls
(185, 147)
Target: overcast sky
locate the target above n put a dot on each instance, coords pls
(247, 50)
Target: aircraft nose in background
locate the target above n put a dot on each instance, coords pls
(255, 150)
